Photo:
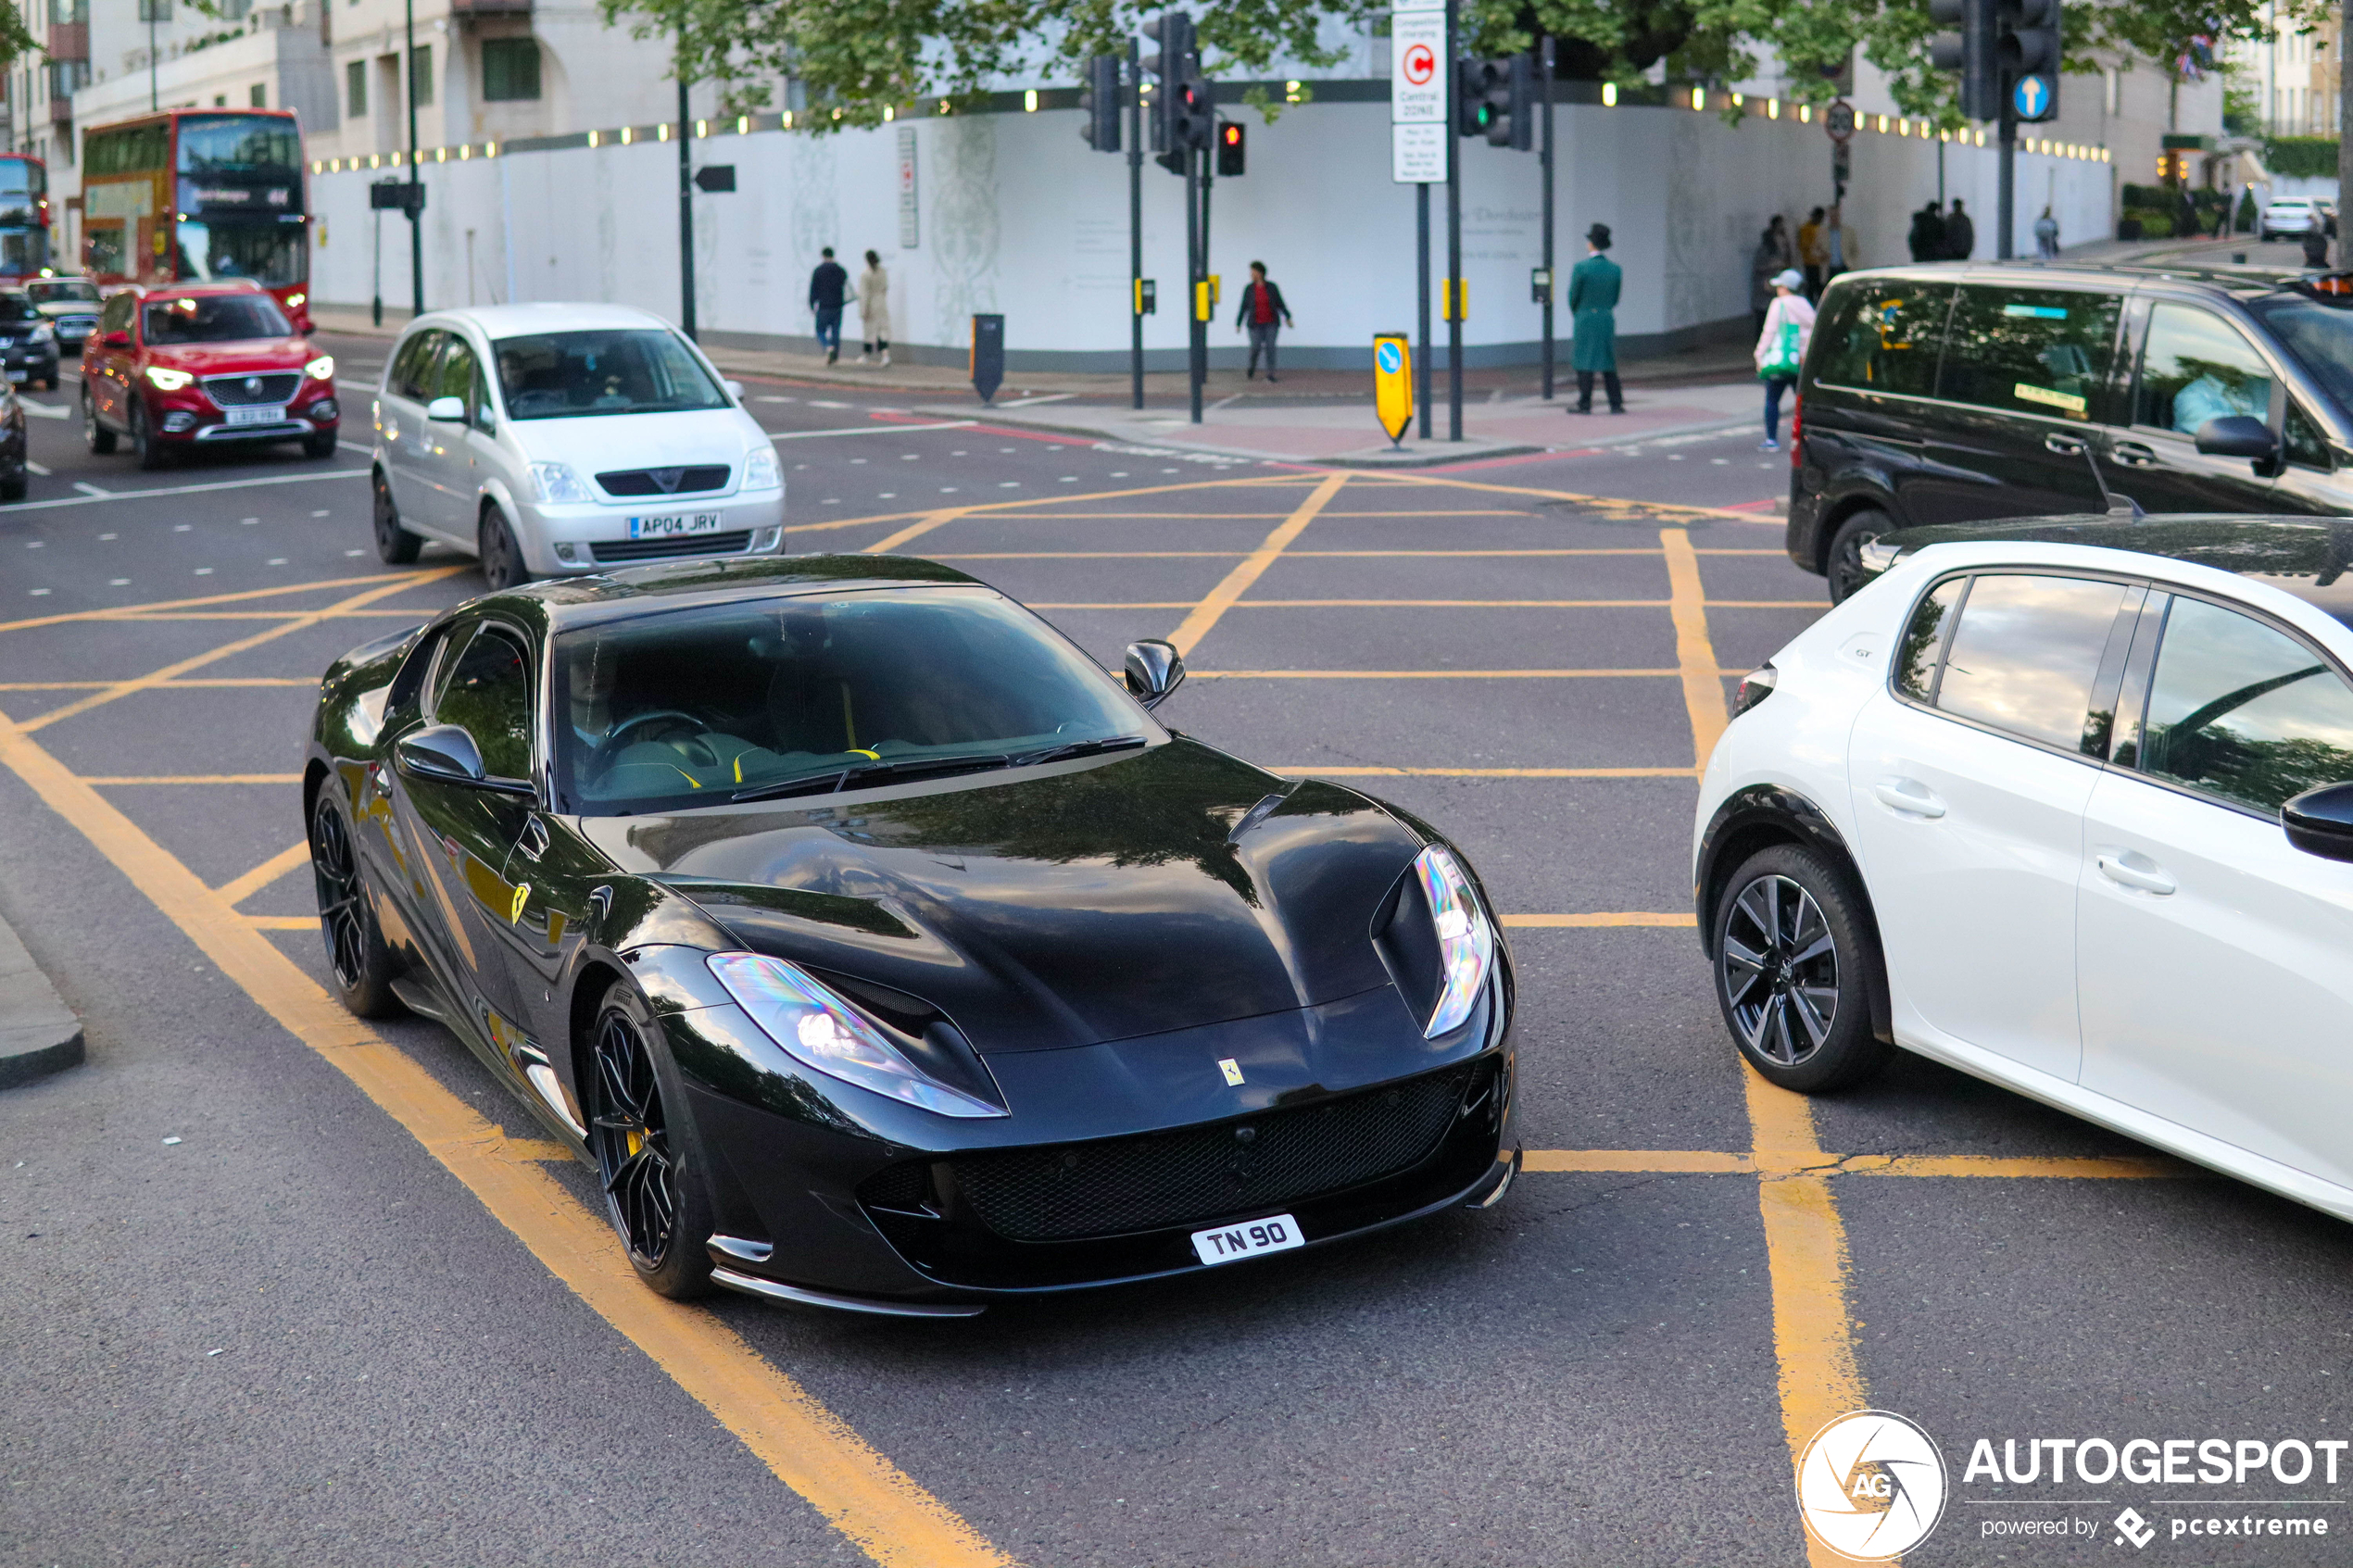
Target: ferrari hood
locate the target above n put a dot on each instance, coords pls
(1062, 905)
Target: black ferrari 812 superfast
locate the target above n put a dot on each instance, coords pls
(881, 951)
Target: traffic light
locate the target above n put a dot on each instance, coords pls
(1230, 149)
(1192, 117)
(1496, 99)
(1171, 59)
(2026, 42)
(1967, 46)
(1100, 98)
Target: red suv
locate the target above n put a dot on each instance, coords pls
(181, 366)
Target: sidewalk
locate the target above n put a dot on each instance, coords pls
(39, 1034)
(1347, 434)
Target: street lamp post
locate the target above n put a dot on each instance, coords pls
(686, 191)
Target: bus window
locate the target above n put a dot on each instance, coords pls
(269, 253)
(239, 145)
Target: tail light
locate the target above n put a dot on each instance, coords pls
(1796, 428)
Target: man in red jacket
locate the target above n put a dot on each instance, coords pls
(1264, 314)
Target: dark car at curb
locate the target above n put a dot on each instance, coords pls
(1964, 393)
(882, 952)
(28, 340)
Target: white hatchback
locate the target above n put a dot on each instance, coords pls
(2075, 820)
(551, 439)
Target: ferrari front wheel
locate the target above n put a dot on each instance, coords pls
(359, 959)
(647, 1154)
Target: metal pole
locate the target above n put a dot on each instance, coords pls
(1136, 220)
(686, 194)
(152, 7)
(1551, 283)
(1453, 237)
(1208, 178)
(416, 175)
(2003, 249)
(1196, 330)
(1421, 249)
(376, 312)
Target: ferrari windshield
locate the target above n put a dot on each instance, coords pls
(806, 694)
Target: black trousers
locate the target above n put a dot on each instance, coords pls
(1609, 384)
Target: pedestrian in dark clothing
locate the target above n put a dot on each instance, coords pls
(2316, 249)
(1768, 257)
(1264, 314)
(827, 286)
(1592, 305)
(1960, 233)
(1928, 234)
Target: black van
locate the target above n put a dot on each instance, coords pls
(1961, 393)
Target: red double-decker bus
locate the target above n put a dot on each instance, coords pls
(196, 195)
(24, 216)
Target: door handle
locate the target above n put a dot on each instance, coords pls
(1909, 796)
(2063, 445)
(2132, 869)
(2131, 454)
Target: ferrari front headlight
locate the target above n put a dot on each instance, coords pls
(1466, 939)
(821, 1031)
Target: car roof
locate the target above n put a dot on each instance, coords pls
(191, 290)
(2307, 558)
(566, 603)
(2244, 281)
(542, 316)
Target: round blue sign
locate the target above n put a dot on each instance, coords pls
(1386, 356)
(2031, 97)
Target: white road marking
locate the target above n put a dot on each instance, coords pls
(45, 410)
(866, 430)
(41, 468)
(92, 494)
(88, 489)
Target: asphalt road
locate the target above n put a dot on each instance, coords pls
(249, 1318)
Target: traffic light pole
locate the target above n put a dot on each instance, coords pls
(1421, 250)
(685, 199)
(1196, 330)
(1454, 242)
(1544, 84)
(2002, 246)
(416, 173)
(1136, 221)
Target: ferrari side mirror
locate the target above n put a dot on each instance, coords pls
(442, 751)
(1155, 669)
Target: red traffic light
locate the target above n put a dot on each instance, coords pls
(1230, 134)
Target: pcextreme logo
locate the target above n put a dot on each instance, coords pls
(1870, 1486)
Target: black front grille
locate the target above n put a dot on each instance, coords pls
(234, 391)
(1163, 1179)
(611, 552)
(649, 482)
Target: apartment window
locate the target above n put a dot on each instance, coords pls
(69, 13)
(510, 69)
(67, 75)
(155, 10)
(355, 79)
(421, 77)
(259, 96)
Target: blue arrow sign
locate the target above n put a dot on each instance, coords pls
(2030, 97)
(1389, 358)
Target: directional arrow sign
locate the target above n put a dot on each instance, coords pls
(2030, 96)
(716, 177)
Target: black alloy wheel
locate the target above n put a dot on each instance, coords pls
(395, 545)
(502, 566)
(1845, 567)
(650, 1169)
(145, 444)
(99, 439)
(320, 444)
(357, 956)
(1792, 956)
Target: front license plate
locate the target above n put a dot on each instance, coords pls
(262, 416)
(673, 524)
(1278, 1233)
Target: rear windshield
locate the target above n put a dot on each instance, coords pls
(2317, 336)
(63, 292)
(215, 319)
(578, 375)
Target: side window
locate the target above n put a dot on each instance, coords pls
(2306, 446)
(2240, 710)
(1924, 639)
(2027, 653)
(1884, 337)
(459, 377)
(2031, 351)
(487, 691)
(2198, 367)
(412, 368)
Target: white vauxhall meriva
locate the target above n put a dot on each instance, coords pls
(552, 439)
(2075, 820)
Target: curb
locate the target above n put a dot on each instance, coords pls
(1372, 458)
(39, 1034)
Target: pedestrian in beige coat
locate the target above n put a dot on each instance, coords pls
(873, 310)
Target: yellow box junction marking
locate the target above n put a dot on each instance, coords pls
(1194, 627)
(238, 891)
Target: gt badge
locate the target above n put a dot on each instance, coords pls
(514, 911)
(1231, 1068)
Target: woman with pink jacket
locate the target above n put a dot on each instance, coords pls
(1781, 348)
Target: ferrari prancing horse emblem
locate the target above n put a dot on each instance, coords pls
(514, 911)
(1232, 1069)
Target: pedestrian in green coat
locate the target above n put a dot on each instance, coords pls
(1592, 303)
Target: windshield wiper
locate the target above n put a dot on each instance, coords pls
(1079, 748)
(850, 778)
